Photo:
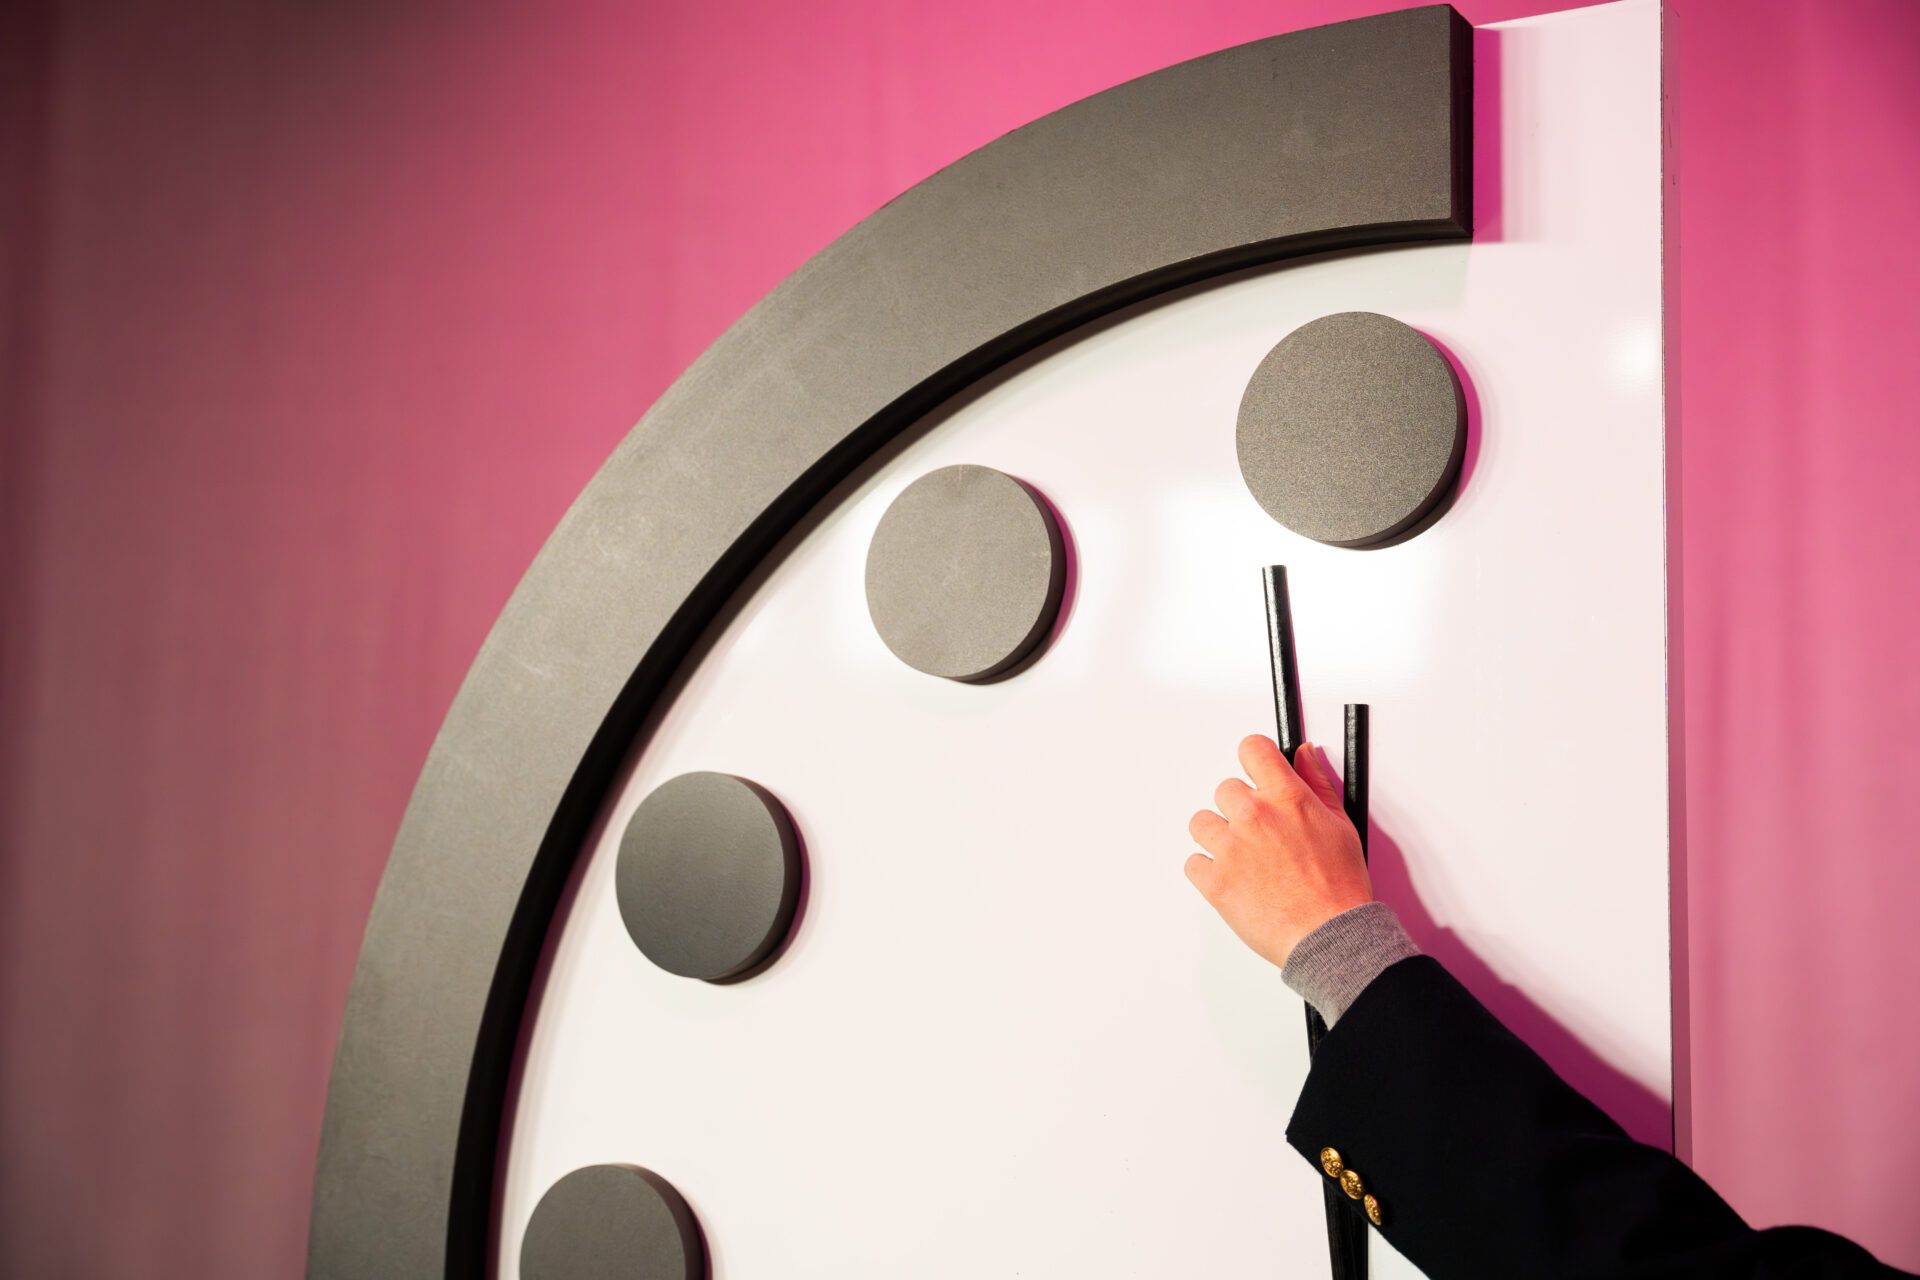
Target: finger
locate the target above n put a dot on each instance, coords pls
(1313, 771)
(1207, 828)
(1202, 872)
(1261, 757)
(1234, 798)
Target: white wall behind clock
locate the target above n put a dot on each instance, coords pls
(1009, 1038)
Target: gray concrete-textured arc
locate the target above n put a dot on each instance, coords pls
(1343, 136)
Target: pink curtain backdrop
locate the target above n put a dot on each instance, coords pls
(317, 316)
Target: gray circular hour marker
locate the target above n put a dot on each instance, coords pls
(965, 573)
(708, 875)
(610, 1221)
(1352, 429)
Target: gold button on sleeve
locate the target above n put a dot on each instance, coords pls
(1351, 1184)
(1373, 1209)
(1330, 1161)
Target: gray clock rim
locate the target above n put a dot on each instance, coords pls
(1000, 252)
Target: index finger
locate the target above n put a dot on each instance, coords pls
(1264, 762)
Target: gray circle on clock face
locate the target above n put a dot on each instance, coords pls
(612, 1222)
(965, 573)
(1351, 429)
(708, 875)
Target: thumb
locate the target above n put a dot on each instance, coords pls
(1307, 764)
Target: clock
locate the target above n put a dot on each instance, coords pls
(795, 886)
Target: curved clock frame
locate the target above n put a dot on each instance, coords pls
(1350, 135)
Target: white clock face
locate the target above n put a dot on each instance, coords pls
(1007, 1038)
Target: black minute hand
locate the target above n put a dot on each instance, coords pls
(1346, 1233)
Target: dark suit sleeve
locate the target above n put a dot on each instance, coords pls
(1484, 1163)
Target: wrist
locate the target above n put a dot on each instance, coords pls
(1332, 965)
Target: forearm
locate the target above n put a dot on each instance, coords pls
(1483, 1161)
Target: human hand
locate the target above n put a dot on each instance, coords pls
(1285, 857)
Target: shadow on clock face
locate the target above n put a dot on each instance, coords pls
(1644, 1114)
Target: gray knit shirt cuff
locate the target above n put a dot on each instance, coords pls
(1331, 966)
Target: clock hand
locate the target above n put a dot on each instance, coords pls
(1354, 777)
(1286, 672)
(1346, 1234)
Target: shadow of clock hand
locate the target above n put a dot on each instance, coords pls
(1642, 1113)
